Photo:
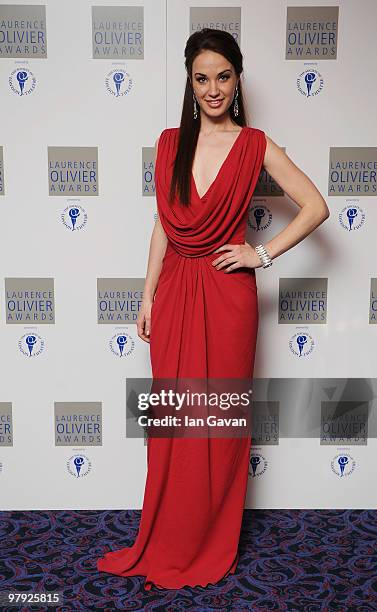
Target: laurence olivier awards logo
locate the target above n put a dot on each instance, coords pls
(352, 171)
(30, 300)
(118, 83)
(23, 31)
(78, 423)
(302, 300)
(344, 422)
(228, 16)
(148, 159)
(265, 423)
(351, 217)
(79, 465)
(119, 299)
(118, 32)
(258, 465)
(6, 424)
(22, 81)
(74, 217)
(23, 35)
(73, 171)
(118, 302)
(343, 465)
(312, 33)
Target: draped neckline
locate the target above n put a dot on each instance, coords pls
(221, 169)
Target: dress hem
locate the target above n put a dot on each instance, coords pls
(150, 584)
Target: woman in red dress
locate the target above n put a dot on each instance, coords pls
(200, 313)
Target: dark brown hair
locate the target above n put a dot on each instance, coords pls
(223, 43)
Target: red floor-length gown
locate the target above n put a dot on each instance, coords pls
(203, 324)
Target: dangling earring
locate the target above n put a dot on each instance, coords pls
(195, 107)
(235, 109)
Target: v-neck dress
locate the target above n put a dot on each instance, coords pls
(204, 324)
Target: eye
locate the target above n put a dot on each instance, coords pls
(223, 76)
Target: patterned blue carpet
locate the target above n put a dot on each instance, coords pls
(304, 560)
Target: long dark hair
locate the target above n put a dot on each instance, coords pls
(225, 44)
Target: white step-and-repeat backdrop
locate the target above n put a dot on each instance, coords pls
(85, 91)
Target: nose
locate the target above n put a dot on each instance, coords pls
(213, 90)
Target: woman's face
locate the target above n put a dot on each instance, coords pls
(214, 82)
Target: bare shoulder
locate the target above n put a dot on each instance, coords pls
(275, 157)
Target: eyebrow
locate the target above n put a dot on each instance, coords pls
(203, 74)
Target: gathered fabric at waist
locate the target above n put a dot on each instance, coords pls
(177, 269)
(240, 239)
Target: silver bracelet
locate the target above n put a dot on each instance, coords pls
(263, 256)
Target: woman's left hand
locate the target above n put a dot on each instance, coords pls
(238, 256)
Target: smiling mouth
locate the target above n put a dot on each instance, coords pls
(214, 102)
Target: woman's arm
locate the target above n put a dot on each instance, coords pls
(298, 186)
(157, 248)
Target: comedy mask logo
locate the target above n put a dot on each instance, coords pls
(259, 218)
(310, 83)
(258, 465)
(74, 217)
(31, 345)
(122, 344)
(301, 344)
(22, 81)
(343, 465)
(79, 465)
(118, 83)
(351, 217)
